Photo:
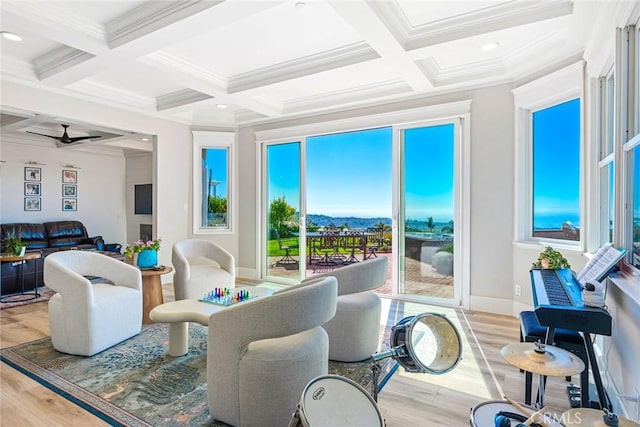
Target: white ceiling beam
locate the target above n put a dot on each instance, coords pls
(363, 19)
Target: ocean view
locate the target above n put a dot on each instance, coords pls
(554, 220)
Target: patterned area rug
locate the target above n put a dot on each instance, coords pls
(136, 383)
(11, 301)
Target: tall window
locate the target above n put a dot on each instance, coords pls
(556, 172)
(212, 183)
(606, 158)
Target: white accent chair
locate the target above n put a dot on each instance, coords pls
(200, 266)
(87, 318)
(354, 332)
(262, 353)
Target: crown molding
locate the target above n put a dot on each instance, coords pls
(328, 60)
(481, 70)
(58, 60)
(494, 18)
(48, 12)
(347, 97)
(152, 16)
(179, 98)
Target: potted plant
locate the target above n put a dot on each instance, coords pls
(551, 259)
(13, 245)
(145, 253)
(442, 260)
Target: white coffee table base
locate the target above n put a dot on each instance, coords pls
(179, 313)
(178, 338)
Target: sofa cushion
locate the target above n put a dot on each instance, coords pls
(66, 233)
(34, 235)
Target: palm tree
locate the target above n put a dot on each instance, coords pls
(430, 224)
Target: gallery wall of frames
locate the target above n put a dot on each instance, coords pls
(33, 189)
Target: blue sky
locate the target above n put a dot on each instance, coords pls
(556, 162)
(216, 160)
(349, 174)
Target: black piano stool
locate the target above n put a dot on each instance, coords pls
(531, 331)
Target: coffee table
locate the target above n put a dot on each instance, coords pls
(179, 313)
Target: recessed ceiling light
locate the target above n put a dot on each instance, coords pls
(300, 4)
(144, 138)
(490, 46)
(221, 106)
(11, 36)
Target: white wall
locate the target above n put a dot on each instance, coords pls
(100, 188)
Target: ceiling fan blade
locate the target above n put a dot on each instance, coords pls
(42, 134)
(80, 138)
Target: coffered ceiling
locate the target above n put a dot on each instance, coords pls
(238, 62)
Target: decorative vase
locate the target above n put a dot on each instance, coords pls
(19, 250)
(147, 258)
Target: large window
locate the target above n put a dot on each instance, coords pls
(556, 172)
(212, 182)
(549, 189)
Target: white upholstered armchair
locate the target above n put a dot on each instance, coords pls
(354, 330)
(85, 317)
(262, 353)
(200, 266)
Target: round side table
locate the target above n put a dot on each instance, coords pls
(152, 291)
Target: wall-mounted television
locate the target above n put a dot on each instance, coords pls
(143, 199)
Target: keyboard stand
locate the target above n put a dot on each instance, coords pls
(604, 401)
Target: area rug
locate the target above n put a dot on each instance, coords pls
(136, 383)
(11, 301)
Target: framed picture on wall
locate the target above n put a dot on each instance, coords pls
(32, 204)
(32, 189)
(31, 174)
(69, 190)
(69, 204)
(69, 176)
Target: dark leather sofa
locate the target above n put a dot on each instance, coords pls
(46, 238)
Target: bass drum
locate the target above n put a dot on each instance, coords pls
(483, 414)
(332, 400)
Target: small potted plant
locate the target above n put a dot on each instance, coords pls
(551, 259)
(145, 254)
(13, 245)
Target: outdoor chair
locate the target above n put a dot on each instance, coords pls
(287, 259)
(85, 317)
(262, 353)
(328, 247)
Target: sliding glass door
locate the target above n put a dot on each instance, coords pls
(427, 212)
(282, 196)
(338, 199)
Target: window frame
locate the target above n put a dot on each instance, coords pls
(558, 87)
(213, 140)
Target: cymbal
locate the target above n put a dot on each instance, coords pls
(588, 417)
(542, 359)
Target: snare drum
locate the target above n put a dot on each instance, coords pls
(483, 414)
(332, 400)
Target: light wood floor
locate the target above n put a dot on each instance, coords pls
(407, 400)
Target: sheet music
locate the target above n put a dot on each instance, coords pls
(606, 257)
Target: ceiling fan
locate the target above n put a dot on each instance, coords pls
(65, 138)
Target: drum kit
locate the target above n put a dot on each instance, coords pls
(426, 343)
(544, 360)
